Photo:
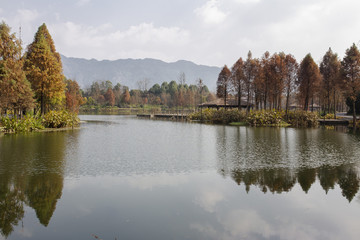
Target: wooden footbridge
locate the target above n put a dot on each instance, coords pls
(164, 116)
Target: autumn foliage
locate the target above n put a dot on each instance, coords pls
(44, 71)
(15, 90)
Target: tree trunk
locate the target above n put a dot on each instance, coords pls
(248, 101)
(287, 103)
(334, 104)
(312, 104)
(239, 98)
(354, 115)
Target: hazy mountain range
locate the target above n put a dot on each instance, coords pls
(130, 71)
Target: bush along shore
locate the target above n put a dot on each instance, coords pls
(257, 118)
(53, 120)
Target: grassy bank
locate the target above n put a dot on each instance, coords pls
(257, 118)
(52, 120)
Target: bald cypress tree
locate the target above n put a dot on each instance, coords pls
(308, 80)
(15, 90)
(44, 71)
(350, 69)
(223, 83)
(330, 71)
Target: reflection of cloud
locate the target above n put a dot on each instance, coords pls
(149, 182)
(208, 199)
(245, 223)
(238, 224)
(24, 232)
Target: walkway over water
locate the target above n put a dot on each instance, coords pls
(164, 116)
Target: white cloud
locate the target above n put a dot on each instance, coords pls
(210, 12)
(81, 3)
(247, 1)
(103, 42)
(26, 15)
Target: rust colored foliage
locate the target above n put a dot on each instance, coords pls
(44, 71)
(330, 71)
(308, 80)
(223, 83)
(351, 74)
(110, 97)
(15, 90)
(73, 95)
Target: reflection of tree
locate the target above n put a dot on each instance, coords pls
(283, 180)
(276, 159)
(348, 182)
(31, 172)
(42, 193)
(46, 182)
(327, 177)
(274, 180)
(306, 177)
(11, 208)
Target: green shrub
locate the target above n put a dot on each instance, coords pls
(27, 124)
(59, 119)
(329, 116)
(303, 118)
(223, 116)
(204, 115)
(265, 118)
(258, 117)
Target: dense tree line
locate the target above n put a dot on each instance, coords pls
(170, 94)
(273, 80)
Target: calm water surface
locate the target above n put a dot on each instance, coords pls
(127, 178)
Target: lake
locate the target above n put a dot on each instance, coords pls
(119, 177)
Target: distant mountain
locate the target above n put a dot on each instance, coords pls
(129, 71)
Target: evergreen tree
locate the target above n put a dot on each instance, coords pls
(44, 70)
(15, 90)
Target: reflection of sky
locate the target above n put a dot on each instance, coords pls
(195, 206)
(142, 179)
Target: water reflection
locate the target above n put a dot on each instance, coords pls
(31, 173)
(179, 181)
(275, 159)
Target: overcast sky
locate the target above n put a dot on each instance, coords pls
(210, 32)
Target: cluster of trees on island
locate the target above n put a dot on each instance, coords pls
(270, 81)
(33, 79)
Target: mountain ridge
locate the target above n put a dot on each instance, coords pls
(130, 71)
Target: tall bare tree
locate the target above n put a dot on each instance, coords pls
(291, 70)
(250, 72)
